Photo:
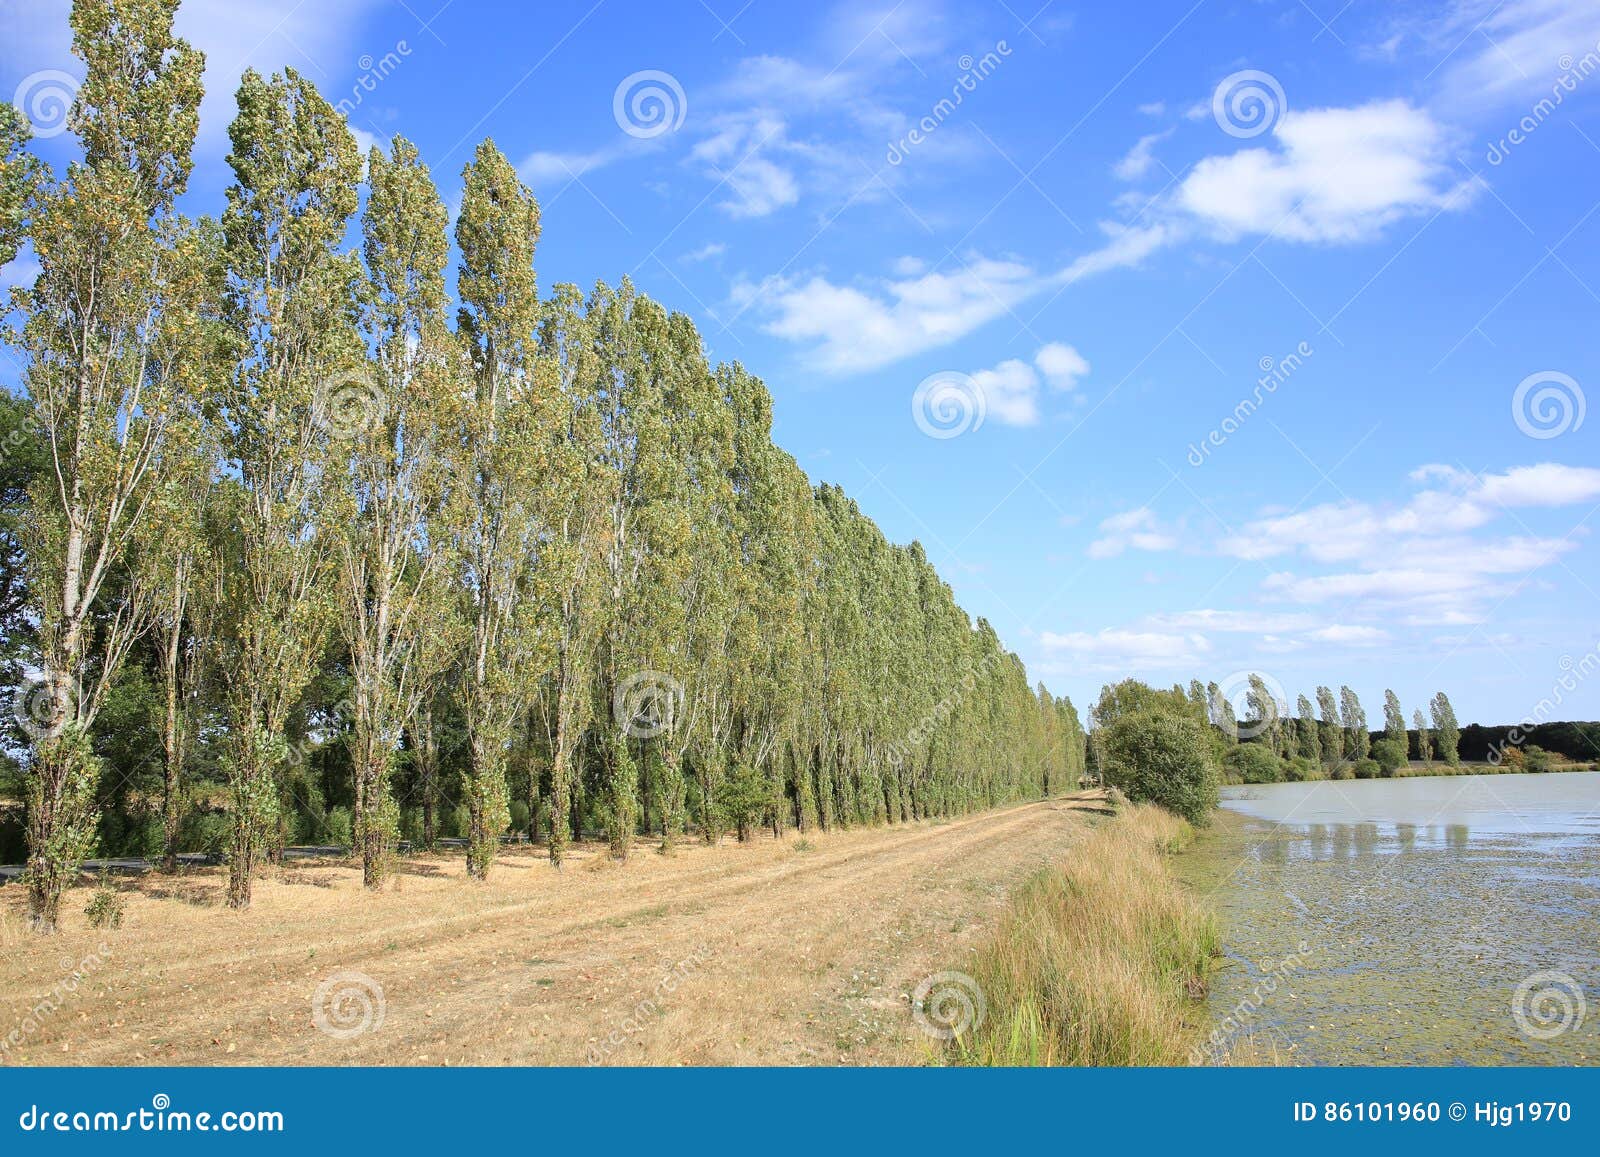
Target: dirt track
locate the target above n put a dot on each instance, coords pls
(762, 954)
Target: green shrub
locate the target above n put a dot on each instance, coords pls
(105, 906)
(1300, 768)
(338, 827)
(1254, 763)
(1367, 769)
(519, 815)
(1536, 759)
(1163, 756)
(1342, 770)
(1390, 755)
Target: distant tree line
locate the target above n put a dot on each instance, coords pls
(296, 547)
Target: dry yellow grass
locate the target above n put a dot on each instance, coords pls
(1099, 961)
(804, 956)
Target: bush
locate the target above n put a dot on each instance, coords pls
(339, 827)
(1390, 755)
(1159, 755)
(1536, 759)
(1299, 768)
(1342, 770)
(1254, 763)
(1367, 769)
(105, 907)
(519, 815)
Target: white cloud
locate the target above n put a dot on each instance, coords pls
(1329, 175)
(1350, 635)
(1011, 390)
(1126, 651)
(1061, 365)
(1135, 529)
(705, 252)
(1141, 158)
(1351, 531)
(861, 328)
(1511, 49)
(1241, 622)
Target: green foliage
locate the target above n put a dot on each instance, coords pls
(1446, 731)
(1158, 754)
(1389, 754)
(105, 907)
(1367, 769)
(338, 829)
(1253, 763)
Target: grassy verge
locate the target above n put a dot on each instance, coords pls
(1101, 961)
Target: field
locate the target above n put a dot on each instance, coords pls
(775, 952)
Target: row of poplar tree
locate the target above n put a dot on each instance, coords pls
(269, 457)
(1336, 729)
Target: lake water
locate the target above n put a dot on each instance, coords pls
(1426, 920)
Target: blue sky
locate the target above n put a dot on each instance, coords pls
(1034, 334)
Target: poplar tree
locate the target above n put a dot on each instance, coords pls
(502, 441)
(391, 455)
(109, 333)
(1446, 730)
(1394, 720)
(1424, 739)
(1310, 741)
(1357, 739)
(291, 304)
(1332, 733)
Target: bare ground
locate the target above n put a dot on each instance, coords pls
(775, 952)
